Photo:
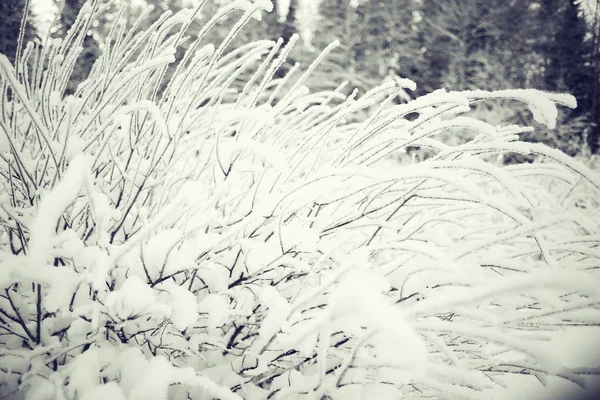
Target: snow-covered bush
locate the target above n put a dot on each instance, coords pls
(185, 240)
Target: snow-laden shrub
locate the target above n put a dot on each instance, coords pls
(185, 240)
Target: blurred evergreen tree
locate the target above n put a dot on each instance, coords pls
(577, 73)
(463, 45)
(565, 50)
(11, 14)
(516, 51)
(567, 61)
(388, 38)
(338, 20)
(594, 83)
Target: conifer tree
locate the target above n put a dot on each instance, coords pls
(566, 50)
(567, 60)
(341, 20)
(388, 39)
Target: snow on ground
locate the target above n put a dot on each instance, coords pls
(576, 347)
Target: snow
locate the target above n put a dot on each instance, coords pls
(149, 106)
(85, 372)
(154, 381)
(86, 8)
(184, 305)
(131, 364)
(265, 152)
(153, 63)
(159, 250)
(258, 5)
(301, 237)
(527, 386)
(215, 276)
(549, 279)
(577, 347)
(213, 389)
(215, 307)
(41, 389)
(55, 99)
(62, 282)
(259, 254)
(74, 147)
(110, 390)
(182, 17)
(134, 297)
(52, 206)
(542, 105)
(279, 310)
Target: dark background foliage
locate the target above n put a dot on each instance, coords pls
(11, 14)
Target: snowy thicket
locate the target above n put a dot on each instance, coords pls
(183, 239)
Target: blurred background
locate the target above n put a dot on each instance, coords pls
(550, 45)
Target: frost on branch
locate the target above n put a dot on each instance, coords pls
(542, 105)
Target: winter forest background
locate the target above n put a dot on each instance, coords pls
(395, 200)
(458, 45)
